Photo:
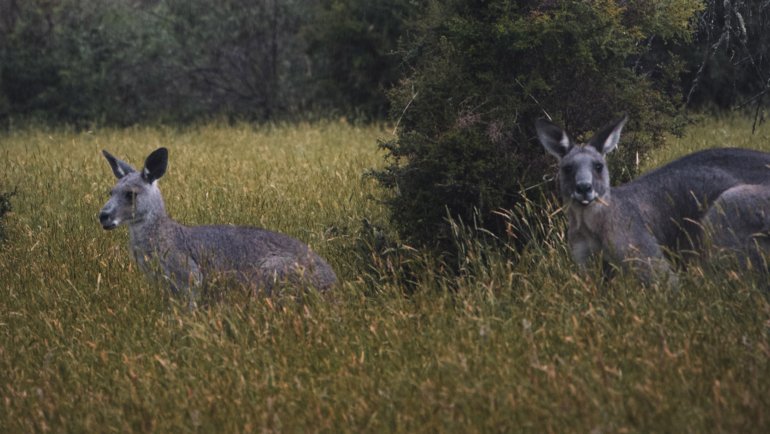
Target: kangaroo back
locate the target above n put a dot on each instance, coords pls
(739, 224)
(256, 256)
(673, 199)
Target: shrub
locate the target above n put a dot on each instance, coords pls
(483, 72)
(5, 207)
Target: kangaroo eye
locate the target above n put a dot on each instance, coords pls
(566, 170)
(598, 167)
(129, 196)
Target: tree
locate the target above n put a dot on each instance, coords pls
(353, 48)
(241, 57)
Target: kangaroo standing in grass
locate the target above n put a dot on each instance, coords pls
(726, 190)
(189, 257)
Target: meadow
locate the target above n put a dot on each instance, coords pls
(518, 342)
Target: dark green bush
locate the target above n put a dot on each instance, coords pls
(484, 71)
(5, 207)
(81, 61)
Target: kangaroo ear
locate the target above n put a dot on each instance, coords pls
(554, 139)
(607, 139)
(119, 168)
(155, 165)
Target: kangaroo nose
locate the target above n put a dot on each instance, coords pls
(583, 187)
(103, 216)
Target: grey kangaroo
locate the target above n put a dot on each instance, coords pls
(633, 226)
(188, 257)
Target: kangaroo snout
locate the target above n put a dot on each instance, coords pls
(106, 221)
(583, 187)
(584, 193)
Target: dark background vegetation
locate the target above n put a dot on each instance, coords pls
(462, 80)
(123, 62)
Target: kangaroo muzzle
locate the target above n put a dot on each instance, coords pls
(584, 193)
(107, 221)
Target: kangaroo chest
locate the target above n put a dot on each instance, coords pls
(157, 251)
(615, 230)
(146, 251)
(587, 231)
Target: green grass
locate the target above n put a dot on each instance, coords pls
(513, 344)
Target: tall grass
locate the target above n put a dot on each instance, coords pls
(516, 342)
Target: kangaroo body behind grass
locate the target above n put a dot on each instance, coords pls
(191, 256)
(635, 225)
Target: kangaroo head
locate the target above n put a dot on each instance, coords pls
(583, 175)
(135, 197)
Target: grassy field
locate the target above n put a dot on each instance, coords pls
(88, 345)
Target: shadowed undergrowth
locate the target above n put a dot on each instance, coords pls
(516, 342)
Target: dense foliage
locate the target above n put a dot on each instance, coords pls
(170, 60)
(353, 47)
(116, 62)
(483, 72)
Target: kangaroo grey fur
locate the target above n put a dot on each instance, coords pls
(191, 256)
(739, 223)
(635, 225)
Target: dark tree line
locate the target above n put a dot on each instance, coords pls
(121, 62)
